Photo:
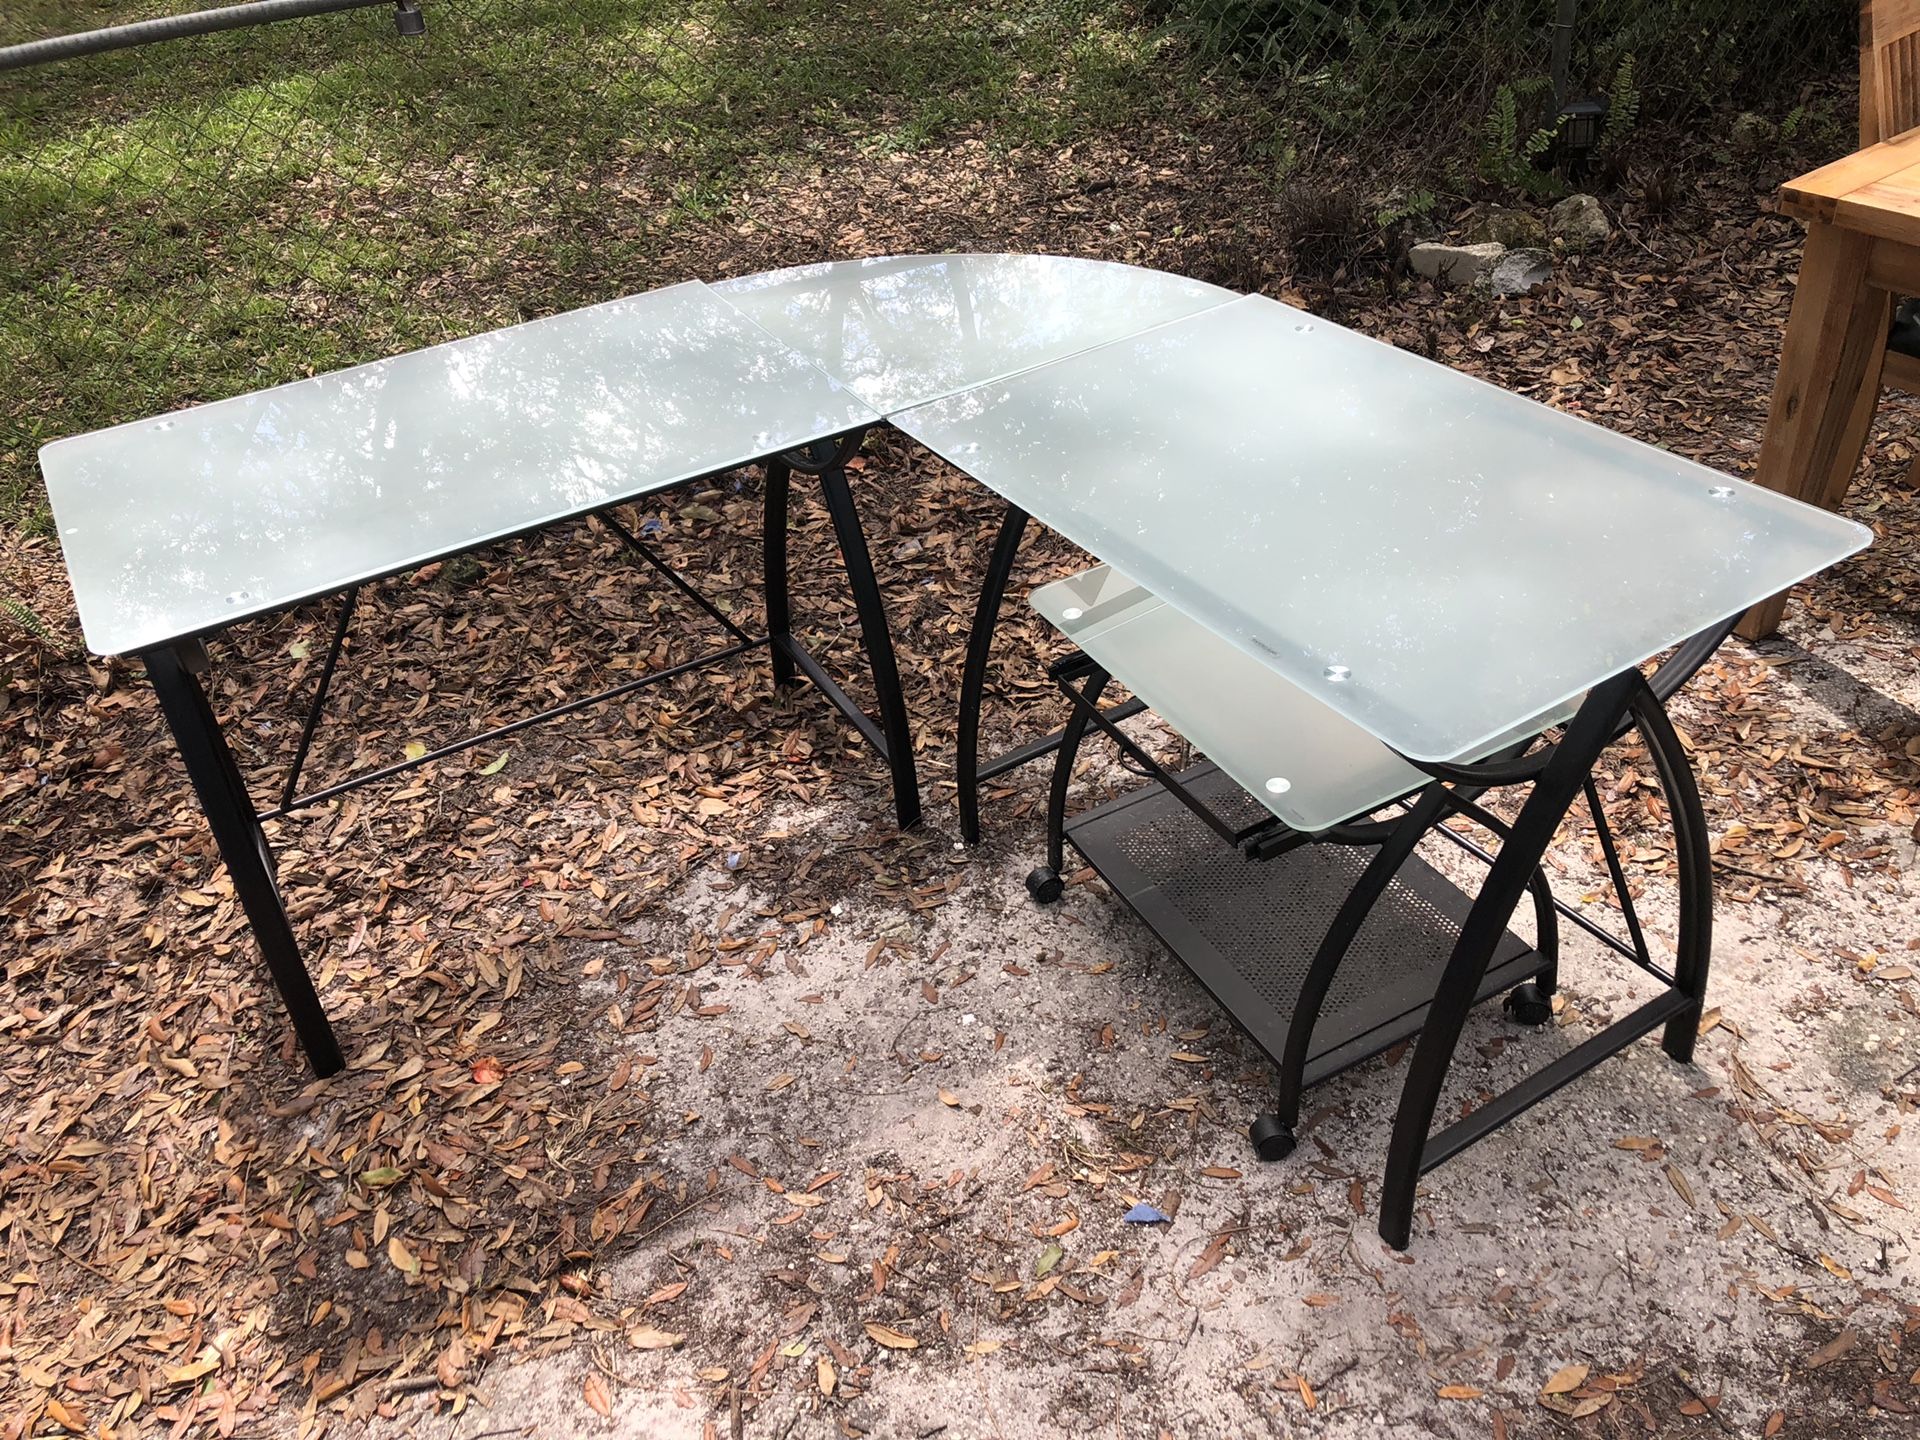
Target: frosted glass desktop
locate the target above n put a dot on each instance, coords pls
(1431, 557)
(908, 329)
(182, 524)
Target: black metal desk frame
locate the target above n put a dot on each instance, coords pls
(238, 825)
(1559, 774)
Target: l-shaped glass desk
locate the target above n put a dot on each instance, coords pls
(1367, 588)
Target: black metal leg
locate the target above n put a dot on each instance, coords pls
(1694, 856)
(773, 562)
(878, 641)
(1070, 738)
(973, 679)
(1546, 929)
(340, 626)
(243, 847)
(1510, 876)
(1367, 890)
(1531, 1001)
(1045, 882)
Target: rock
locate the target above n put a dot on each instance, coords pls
(1518, 271)
(1455, 264)
(1579, 223)
(1751, 133)
(1517, 229)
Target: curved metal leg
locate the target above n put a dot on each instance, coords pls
(1546, 929)
(1367, 890)
(1510, 876)
(773, 569)
(1546, 911)
(1694, 943)
(878, 641)
(1535, 993)
(1044, 882)
(1070, 738)
(1531, 1001)
(973, 679)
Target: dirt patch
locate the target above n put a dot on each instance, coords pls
(966, 1105)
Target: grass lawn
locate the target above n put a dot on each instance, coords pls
(207, 216)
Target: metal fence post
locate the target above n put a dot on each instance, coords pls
(1565, 16)
(406, 16)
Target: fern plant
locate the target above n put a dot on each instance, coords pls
(1623, 108)
(1416, 206)
(1510, 159)
(29, 622)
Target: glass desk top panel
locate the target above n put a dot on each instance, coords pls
(1435, 558)
(181, 524)
(908, 329)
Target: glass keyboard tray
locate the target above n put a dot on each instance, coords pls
(1307, 764)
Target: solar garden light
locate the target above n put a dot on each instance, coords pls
(1580, 125)
(1581, 122)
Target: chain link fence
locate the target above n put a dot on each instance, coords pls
(203, 216)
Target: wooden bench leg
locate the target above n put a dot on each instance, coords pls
(1835, 337)
(1860, 422)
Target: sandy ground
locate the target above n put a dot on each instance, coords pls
(934, 1125)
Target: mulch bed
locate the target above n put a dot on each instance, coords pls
(198, 1241)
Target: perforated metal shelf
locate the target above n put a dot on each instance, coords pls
(1248, 929)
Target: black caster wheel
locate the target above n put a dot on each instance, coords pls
(1271, 1139)
(1528, 1004)
(1045, 885)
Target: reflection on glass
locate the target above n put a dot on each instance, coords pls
(1433, 557)
(908, 329)
(175, 526)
